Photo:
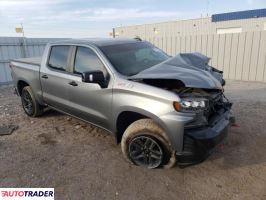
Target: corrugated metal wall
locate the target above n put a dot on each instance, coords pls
(242, 56)
(12, 47)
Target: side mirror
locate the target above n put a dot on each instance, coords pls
(94, 77)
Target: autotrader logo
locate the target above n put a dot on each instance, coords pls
(27, 193)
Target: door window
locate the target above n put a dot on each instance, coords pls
(86, 60)
(59, 57)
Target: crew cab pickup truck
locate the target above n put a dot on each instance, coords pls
(161, 109)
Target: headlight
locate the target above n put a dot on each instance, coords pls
(196, 104)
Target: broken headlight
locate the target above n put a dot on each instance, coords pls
(195, 104)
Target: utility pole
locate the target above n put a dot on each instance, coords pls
(24, 40)
(24, 44)
(207, 7)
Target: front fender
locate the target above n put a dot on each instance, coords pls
(172, 123)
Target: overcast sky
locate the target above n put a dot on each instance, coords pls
(96, 18)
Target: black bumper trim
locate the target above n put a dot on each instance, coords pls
(199, 143)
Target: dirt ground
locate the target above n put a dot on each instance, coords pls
(83, 162)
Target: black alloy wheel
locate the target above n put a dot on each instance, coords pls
(27, 102)
(146, 151)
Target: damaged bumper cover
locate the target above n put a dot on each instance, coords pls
(198, 143)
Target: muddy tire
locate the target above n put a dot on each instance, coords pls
(145, 143)
(30, 105)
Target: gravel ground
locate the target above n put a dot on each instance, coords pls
(83, 162)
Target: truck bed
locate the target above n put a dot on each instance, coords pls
(32, 60)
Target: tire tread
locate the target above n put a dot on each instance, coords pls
(149, 126)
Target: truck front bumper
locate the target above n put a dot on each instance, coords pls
(198, 143)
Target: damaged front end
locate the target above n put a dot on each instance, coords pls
(214, 103)
(200, 88)
(209, 126)
(210, 114)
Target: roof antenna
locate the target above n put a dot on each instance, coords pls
(137, 38)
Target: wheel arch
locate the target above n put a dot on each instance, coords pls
(37, 92)
(127, 117)
(20, 85)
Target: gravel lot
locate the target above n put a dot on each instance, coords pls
(83, 162)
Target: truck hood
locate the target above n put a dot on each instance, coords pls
(190, 68)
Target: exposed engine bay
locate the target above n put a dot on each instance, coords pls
(199, 85)
(215, 102)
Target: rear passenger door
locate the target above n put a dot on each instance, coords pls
(55, 77)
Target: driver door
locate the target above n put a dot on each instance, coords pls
(89, 101)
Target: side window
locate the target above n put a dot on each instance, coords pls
(86, 60)
(58, 57)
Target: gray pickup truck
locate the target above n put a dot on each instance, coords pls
(162, 109)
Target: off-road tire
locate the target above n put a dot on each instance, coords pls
(149, 128)
(37, 109)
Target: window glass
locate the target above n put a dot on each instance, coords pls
(58, 57)
(132, 58)
(86, 60)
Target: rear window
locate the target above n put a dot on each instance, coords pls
(58, 57)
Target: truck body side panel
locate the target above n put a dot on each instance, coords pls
(28, 73)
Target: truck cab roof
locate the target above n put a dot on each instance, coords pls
(96, 41)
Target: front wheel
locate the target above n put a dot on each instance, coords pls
(30, 105)
(145, 144)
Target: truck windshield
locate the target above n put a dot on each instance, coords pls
(131, 58)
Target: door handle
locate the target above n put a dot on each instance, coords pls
(73, 83)
(45, 76)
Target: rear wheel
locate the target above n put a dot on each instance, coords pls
(145, 144)
(30, 105)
